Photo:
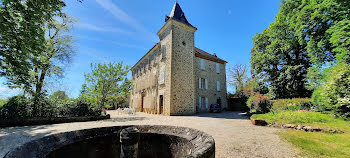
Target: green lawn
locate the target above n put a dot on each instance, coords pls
(313, 144)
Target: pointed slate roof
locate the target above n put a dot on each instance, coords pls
(177, 14)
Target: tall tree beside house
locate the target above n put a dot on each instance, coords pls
(107, 84)
(305, 36)
(308, 40)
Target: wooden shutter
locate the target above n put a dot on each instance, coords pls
(218, 85)
(200, 102)
(202, 64)
(206, 102)
(217, 68)
(200, 83)
(206, 83)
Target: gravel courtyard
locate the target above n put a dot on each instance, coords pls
(233, 133)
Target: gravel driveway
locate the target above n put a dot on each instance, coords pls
(233, 133)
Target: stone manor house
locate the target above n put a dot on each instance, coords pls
(175, 77)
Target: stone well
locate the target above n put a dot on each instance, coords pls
(153, 141)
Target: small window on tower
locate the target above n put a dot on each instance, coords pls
(183, 43)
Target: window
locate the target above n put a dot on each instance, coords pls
(203, 83)
(162, 76)
(218, 85)
(217, 68)
(163, 52)
(203, 102)
(202, 64)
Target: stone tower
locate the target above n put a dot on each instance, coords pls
(177, 45)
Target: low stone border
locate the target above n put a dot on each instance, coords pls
(53, 120)
(295, 127)
(305, 128)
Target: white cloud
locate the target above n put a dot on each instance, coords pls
(113, 42)
(124, 17)
(120, 14)
(103, 29)
(6, 92)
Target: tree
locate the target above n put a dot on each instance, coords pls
(59, 96)
(239, 76)
(22, 34)
(34, 44)
(281, 56)
(334, 94)
(106, 84)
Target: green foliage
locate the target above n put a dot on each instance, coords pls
(16, 107)
(35, 44)
(295, 117)
(306, 33)
(20, 107)
(334, 95)
(59, 97)
(22, 34)
(259, 103)
(279, 57)
(313, 144)
(3, 102)
(106, 85)
(292, 104)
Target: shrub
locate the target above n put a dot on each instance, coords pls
(259, 103)
(16, 107)
(292, 104)
(334, 94)
(20, 107)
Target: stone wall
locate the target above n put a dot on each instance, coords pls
(210, 74)
(182, 73)
(171, 69)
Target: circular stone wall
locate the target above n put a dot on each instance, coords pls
(155, 141)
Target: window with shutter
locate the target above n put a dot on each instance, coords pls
(206, 103)
(206, 84)
(200, 83)
(163, 52)
(218, 85)
(217, 68)
(162, 76)
(202, 64)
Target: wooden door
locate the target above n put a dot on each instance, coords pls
(161, 102)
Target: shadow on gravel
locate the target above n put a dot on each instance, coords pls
(126, 119)
(225, 115)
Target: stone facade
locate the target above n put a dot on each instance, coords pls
(167, 80)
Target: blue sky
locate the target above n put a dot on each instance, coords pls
(124, 30)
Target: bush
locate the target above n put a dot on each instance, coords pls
(20, 107)
(292, 104)
(334, 94)
(259, 103)
(83, 109)
(16, 107)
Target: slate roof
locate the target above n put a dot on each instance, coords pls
(177, 14)
(208, 56)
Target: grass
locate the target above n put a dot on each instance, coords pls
(313, 144)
